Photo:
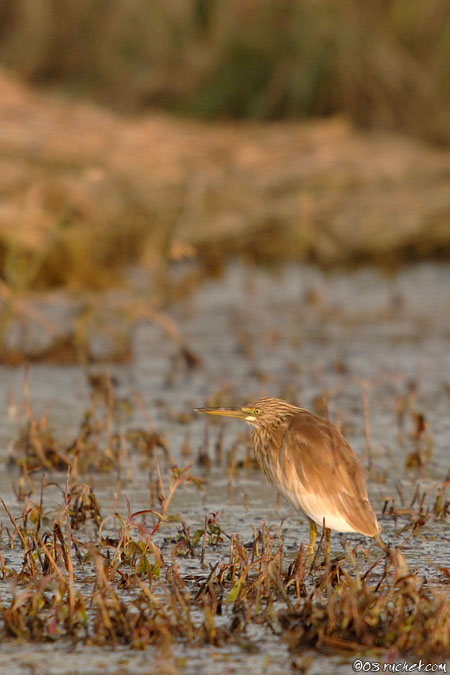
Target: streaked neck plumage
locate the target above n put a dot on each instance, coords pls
(268, 439)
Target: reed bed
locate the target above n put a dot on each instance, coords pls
(380, 64)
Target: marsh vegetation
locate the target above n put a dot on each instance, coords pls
(130, 525)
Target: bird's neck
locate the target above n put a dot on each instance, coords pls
(267, 443)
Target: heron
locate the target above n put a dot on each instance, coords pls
(311, 464)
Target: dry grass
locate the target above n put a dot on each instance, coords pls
(111, 578)
(156, 190)
(121, 587)
(383, 65)
(86, 194)
(97, 446)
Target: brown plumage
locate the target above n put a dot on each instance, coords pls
(310, 463)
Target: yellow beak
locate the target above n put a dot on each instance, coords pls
(239, 413)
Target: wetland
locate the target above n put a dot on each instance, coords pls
(139, 537)
(213, 203)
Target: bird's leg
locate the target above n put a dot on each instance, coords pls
(312, 537)
(327, 541)
(381, 543)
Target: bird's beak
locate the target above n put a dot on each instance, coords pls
(239, 413)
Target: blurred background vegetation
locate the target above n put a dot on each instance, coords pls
(87, 191)
(382, 63)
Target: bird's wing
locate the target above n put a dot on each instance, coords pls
(316, 455)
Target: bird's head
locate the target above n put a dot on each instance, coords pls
(262, 414)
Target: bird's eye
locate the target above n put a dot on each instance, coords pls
(257, 411)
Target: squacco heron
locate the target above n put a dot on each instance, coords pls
(309, 461)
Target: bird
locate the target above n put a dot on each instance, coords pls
(311, 464)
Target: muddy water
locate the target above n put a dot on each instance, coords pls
(360, 340)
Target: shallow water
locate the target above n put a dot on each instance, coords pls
(298, 334)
